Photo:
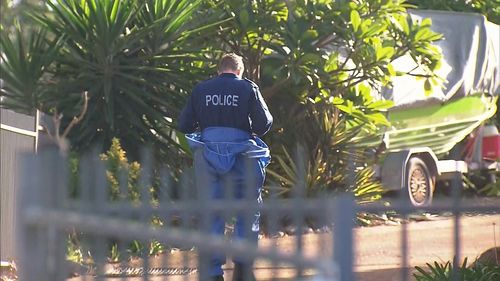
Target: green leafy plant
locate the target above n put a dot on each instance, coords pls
(114, 253)
(446, 272)
(13, 12)
(137, 61)
(118, 167)
(136, 248)
(317, 49)
(319, 55)
(73, 250)
(491, 188)
(481, 183)
(25, 60)
(328, 160)
(156, 248)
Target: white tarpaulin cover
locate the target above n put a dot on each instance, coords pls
(471, 60)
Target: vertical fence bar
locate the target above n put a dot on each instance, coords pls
(272, 222)
(457, 193)
(85, 183)
(249, 214)
(61, 187)
(299, 194)
(123, 210)
(101, 191)
(51, 192)
(87, 201)
(200, 203)
(343, 246)
(187, 184)
(145, 183)
(164, 200)
(404, 244)
(27, 245)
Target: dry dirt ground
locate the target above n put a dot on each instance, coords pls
(378, 254)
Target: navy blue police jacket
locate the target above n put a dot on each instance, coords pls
(226, 101)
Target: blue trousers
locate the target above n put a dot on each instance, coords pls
(243, 182)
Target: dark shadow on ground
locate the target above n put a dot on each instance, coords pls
(390, 274)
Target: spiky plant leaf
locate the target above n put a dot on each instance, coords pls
(25, 56)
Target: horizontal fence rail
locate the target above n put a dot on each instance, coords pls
(165, 231)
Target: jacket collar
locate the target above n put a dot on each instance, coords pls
(228, 75)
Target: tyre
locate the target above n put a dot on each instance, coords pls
(419, 182)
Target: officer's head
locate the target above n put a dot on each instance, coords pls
(231, 63)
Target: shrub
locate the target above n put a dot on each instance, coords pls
(446, 272)
(118, 169)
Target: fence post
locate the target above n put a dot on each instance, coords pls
(343, 247)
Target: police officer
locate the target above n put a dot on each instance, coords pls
(223, 118)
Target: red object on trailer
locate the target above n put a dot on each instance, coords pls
(491, 147)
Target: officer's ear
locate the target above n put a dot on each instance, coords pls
(239, 72)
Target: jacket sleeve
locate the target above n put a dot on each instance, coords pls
(187, 120)
(260, 116)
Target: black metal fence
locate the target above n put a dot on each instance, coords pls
(50, 215)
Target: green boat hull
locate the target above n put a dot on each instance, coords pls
(438, 126)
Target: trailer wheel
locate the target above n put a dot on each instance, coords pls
(419, 182)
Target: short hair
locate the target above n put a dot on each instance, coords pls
(231, 61)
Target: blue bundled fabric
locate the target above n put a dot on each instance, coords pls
(221, 145)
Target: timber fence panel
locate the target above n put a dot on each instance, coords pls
(18, 134)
